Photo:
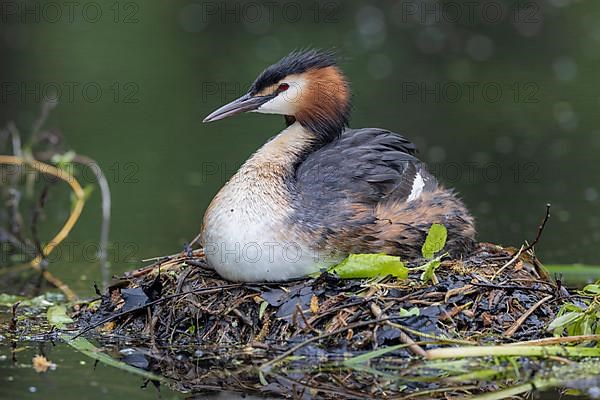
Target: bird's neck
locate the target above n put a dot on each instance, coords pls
(280, 155)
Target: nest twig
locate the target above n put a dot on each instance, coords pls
(177, 303)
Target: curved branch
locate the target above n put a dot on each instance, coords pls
(68, 225)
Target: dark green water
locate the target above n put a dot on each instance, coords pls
(75, 377)
(501, 97)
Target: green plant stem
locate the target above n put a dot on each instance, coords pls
(523, 351)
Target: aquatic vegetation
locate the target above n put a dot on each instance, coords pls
(580, 316)
(35, 163)
(481, 328)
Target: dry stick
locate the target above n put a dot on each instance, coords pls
(511, 287)
(323, 336)
(36, 216)
(162, 265)
(548, 283)
(512, 260)
(157, 301)
(195, 240)
(66, 228)
(511, 331)
(306, 323)
(404, 338)
(17, 243)
(428, 336)
(12, 326)
(169, 257)
(537, 237)
(540, 229)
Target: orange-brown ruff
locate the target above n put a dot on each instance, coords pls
(319, 191)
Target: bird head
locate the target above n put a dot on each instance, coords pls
(305, 86)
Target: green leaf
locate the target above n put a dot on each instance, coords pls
(413, 312)
(63, 160)
(587, 325)
(57, 316)
(262, 308)
(435, 241)
(9, 299)
(430, 268)
(261, 378)
(564, 320)
(363, 358)
(85, 347)
(593, 289)
(41, 301)
(87, 191)
(357, 266)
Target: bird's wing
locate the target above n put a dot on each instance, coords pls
(364, 166)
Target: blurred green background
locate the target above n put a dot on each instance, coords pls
(500, 96)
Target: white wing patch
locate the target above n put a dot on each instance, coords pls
(417, 188)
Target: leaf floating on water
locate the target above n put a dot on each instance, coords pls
(85, 347)
(435, 241)
(357, 266)
(42, 301)
(57, 316)
(9, 299)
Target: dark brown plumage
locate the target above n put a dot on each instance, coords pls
(358, 186)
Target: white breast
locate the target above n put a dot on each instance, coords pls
(247, 234)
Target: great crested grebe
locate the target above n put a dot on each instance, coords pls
(318, 191)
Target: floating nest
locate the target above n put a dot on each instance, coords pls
(206, 333)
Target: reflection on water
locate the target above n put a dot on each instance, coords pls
(76, 377)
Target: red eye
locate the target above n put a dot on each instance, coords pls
(283, 87)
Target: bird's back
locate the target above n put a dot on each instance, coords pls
(368, 192)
